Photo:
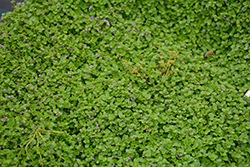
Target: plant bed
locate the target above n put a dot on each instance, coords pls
(125, 83)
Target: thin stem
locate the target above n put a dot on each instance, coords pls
(29, 143)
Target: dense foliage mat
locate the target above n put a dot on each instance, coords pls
(125, 83)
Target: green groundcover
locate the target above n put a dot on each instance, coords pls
(125, 83)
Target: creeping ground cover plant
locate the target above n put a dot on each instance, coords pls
(125, 83)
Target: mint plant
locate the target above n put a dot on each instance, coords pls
(125, 83)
